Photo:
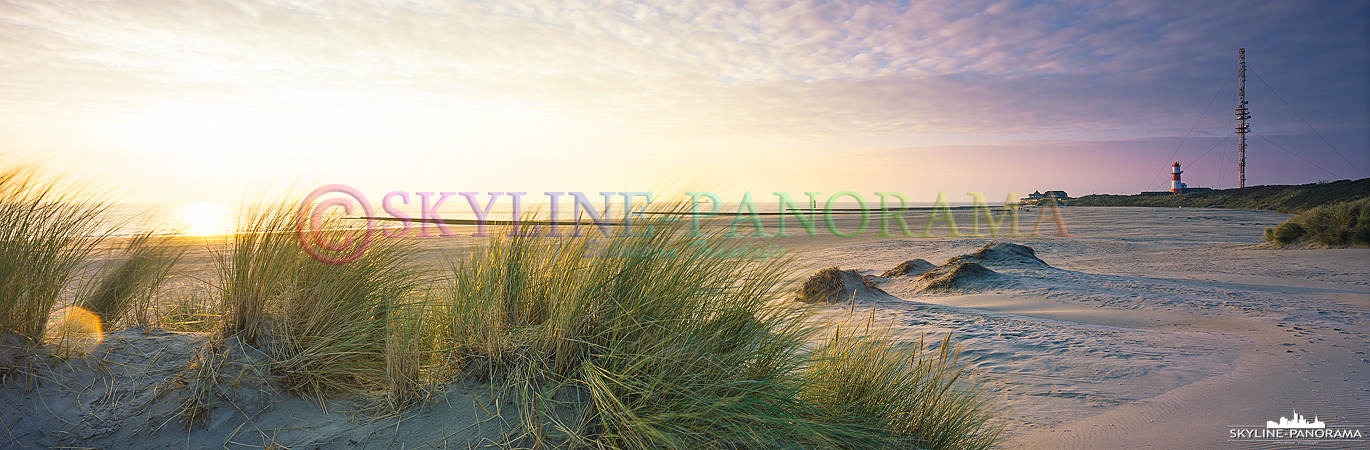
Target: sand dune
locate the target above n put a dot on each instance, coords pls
(1150, 328)
(128, 395)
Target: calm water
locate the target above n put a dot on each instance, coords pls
(214, 218)
(189, 218)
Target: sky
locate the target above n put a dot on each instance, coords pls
(218, 100)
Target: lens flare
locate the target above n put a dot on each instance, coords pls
(74, 331)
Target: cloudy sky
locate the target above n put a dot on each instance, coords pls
(211, 100)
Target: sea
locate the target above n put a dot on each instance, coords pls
(221, 218)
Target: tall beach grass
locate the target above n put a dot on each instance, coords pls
(676, 347)
(1345, 224)
(132, 280)
(657, 340)
(912, 392)
(48, 229)
(328, 327)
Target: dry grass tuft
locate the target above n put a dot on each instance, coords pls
(913, 267)
(826, 286)
(914, 393)
(195, 310)
(329, 328)
(1002, 253)
(958, 276)
(131, 286)
(1345, 224)
(200, 377)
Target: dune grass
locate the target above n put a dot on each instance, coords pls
(328, 327)
(47, 230)
(1345, 224)
(261, 265)
(661, 343)
(913, 392)
(136, 276)
(194, 310)
(677, 348)
(824, 286)
(657, 340)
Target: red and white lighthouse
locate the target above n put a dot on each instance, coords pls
(1175, 185)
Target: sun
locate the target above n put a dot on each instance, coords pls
(204, 219)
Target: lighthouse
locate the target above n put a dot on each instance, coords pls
(1175, 185)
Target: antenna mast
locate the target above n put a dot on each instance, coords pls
(1242, 115)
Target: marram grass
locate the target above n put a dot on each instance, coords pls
(47, 230)
(912, 392)
(630, 342)
(1344, 224)
(329, 328)
(130, 284)
(193, 310)
(673, 347)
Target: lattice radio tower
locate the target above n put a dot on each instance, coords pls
(1242, 115)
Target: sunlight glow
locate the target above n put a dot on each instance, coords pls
(203, 219)
(74, 331)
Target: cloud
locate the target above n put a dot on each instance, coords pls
(684, 68)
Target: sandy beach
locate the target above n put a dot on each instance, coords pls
(1152, 328)
(1146, 328)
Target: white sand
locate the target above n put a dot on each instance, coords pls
(1155, 328)
(1152, 328)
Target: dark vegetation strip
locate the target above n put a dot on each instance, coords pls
(1288, 199)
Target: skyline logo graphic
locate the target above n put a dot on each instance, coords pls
(1295, 430)
(1297, 422)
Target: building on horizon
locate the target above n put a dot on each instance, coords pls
(1177, 187)
(1037, 196)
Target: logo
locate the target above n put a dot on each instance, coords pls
(1295, 430)
(318, 231)
(1298, 422)
(308, 226)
